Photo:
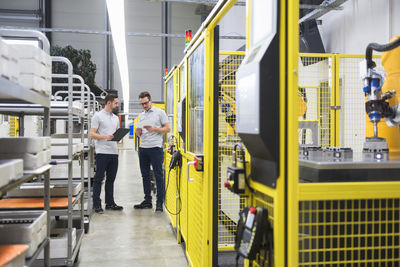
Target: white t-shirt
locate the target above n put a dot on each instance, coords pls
(158, 117)
(106, 123)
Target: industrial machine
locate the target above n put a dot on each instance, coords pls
(334, 164)
(314, 206)
(377, 105)
(326, 204)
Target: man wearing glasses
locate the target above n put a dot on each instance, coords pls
(153, 124)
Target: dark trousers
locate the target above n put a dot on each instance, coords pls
(108, 164)
(152, 156)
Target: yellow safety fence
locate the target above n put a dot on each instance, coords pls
(229, 204)
(344, 223)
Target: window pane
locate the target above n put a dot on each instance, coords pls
(170, 103)
(196, 103)
(182, 82)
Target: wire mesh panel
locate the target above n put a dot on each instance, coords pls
(362, 232)
(195, 245)
(352, 102)
(315, 96)
(229, 204)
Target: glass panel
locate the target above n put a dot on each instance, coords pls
(170, 103)
(196, 103)
(182, 83)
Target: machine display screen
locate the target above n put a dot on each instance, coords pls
(264, 18)
(248, 105)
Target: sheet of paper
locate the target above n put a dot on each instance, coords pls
(141, 124)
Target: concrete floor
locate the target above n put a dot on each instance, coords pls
(131, 237)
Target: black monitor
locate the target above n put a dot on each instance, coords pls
(310, 40)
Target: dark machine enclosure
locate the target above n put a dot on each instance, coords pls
(263, 140)
(182, 118)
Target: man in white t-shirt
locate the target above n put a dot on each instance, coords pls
(151, 151)
(104, 124)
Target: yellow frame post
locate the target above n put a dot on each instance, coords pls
(208, 143)
(292, 149)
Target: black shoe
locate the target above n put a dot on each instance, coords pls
(113, 207)
(159, 207)
(144, 205)
(98, 210)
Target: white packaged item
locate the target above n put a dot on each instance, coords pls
(57, 189)
(77, 106)
(23, 227)
(61, 150)
(59, 243)
(4, 70)
(9, 69)
(31, 66)
(61, 171)
(14, 71)
(36, 83)
(47, 86)
(10, 169)
(47, 142)
(46, 156)
(64, 141)
(3, 67)
(13, 64)
(3, 49)
(31, 161)
(11, 145)
(33, 52)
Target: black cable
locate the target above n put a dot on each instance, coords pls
(269, 245)
(264, 257)
(166, 190)
(237, 259)
(176, 140)
(379, 48)
(246, 178)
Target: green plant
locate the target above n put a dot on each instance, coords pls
(81, 62)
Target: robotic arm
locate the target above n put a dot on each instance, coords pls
(377, 105)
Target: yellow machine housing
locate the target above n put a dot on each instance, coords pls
(391, 64)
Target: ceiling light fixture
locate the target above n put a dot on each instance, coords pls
(116, 16)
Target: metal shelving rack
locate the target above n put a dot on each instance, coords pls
(72, 251)
(29, 176)
(11, 92)
(32, 108)
(88, 147)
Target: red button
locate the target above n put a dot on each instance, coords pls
(253, 210)
(227, 184)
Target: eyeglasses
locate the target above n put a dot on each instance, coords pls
(144, 103)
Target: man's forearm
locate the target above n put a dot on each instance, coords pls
(162, 130)
(97, 136)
